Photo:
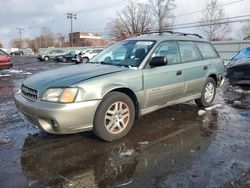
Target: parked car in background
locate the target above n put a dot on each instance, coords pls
(5, 61)
(4, 49)
(67, 57)
(238, 69)
(17, 52)
(50, 55)
(79, 56)
(144, 74)
(84, 58)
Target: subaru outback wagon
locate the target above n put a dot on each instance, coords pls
(127, 80)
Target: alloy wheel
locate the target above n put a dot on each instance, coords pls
(117, 117)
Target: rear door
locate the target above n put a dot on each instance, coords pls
(165, 83)
(193, 66)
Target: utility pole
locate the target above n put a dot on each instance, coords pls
(20, 30)
(71, 16)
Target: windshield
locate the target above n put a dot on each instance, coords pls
(242, 54)
(125, 53)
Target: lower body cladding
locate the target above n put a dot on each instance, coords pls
(58, 118)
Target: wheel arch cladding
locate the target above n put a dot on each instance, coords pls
(214, 77)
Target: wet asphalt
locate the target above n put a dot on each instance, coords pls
(173, 147)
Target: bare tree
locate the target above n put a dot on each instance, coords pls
(1, 45)
(60, 40)
(134, 19)
(161, 10)
(245, 30)
(46, 39)
(212, 16)
(15, 43)
(32, 43)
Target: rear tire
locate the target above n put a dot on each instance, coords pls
(207, 94)
(114, 116)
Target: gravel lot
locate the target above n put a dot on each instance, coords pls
(173, 147)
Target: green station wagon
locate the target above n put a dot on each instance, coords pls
(127, 80)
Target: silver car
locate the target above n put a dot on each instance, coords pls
(50, 55)
(125, 81)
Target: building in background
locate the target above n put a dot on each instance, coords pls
(86, 39)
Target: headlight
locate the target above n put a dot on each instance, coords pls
(63, 95)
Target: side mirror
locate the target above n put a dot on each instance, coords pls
(158, 61)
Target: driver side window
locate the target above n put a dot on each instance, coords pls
(170, 50)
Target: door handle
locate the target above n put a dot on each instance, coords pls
(179, 72)
(205, 68)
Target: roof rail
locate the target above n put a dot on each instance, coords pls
(174, 32)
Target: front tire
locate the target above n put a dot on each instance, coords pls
(85, 60)
(46, 58)
(64, 60)
(114, 116)
(207, 94)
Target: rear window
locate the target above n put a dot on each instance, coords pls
(207, 50)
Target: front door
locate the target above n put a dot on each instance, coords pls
(165, 83)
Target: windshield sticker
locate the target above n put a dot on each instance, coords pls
(146, 43)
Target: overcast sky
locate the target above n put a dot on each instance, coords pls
(92, 15)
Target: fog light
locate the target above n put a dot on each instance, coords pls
(54, 125)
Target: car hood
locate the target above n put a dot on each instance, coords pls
(239, 62)
(69, 75)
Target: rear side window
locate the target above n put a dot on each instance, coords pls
(207, 50)
(188, 51)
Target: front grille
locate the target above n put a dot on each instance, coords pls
(29, 92)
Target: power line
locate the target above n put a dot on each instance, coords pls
(230, 3)
(211, 23)
(198, 11)
(228, 18)
(245, 18)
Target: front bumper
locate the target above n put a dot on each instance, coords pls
(58, 118)
(239, 75)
